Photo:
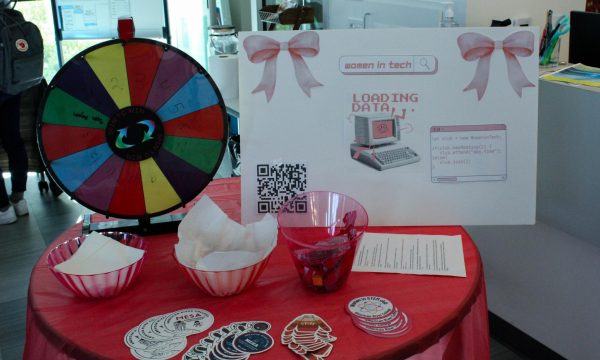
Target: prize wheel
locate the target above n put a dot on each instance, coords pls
(132, 129)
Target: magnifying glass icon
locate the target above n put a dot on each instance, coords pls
(423, 61)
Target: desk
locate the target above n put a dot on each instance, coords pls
(449, 314)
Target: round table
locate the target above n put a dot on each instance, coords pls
(449, 314)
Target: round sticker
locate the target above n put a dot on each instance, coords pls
(227, 345)
(397, 329)
(261, 326)
(191, 321)
(135, 340)
(163, 350)
(145, 329)
(391, 320)
(370, 307)
(253, 342)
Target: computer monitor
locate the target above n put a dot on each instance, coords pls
(375, 130)
(584, 38)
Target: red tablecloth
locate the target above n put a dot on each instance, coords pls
(449, 314)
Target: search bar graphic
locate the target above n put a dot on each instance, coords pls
(388, 65)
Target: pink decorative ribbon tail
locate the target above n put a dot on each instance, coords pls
(479, 47)
(264, 49)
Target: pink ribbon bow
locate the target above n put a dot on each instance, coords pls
(475, 46)
(263, 49)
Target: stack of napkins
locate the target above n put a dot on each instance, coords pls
(209, 240)
(99, 254)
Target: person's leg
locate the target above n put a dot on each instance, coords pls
(4, 203)
(14, 145)
(7, 212)
(17, 155)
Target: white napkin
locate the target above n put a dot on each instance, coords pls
(99, 254)
(210, 240)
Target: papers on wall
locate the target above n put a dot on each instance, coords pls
(577, 74)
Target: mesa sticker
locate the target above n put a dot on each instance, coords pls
(134, 340)
(152, 339)
(370, 307)
(163, 350)
(188, 320)
(146, 332)
(253, 342)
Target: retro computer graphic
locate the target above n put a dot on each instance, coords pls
(377, 143)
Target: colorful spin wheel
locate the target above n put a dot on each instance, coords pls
(132, 129)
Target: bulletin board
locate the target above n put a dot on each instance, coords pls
(97, 19)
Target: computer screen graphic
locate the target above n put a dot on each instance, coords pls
(377, 143)
(370, 131)
(383, 129)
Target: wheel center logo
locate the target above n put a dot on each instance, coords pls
(135, 133)
(122, 139)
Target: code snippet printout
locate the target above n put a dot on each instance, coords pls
(468, 153)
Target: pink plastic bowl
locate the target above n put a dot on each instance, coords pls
(103, 285)
(224, 283)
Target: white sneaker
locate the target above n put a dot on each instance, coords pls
(21, 207)
(8, 216)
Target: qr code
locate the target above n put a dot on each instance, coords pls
(277, 183)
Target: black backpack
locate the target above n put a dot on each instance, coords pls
(21, 53)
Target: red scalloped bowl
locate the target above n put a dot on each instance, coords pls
(224, 283)
(103, 285)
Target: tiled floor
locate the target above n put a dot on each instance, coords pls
(23, 242)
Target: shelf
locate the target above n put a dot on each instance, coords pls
(295, 16)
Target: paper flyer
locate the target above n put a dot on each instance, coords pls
(421, 126)
(410, 254)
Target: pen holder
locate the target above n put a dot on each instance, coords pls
(551, 57)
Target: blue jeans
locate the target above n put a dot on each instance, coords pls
(10, 136)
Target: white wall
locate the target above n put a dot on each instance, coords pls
(241, 14)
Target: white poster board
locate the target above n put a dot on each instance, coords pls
(422, 126)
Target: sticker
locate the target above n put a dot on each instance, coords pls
(253, 342)
(145, 329)
(197, 352)
(370, 307)
(261, 326)
(308, 336)
(190, 321)
(393, 318)
(167, 350)
(227, 345)
(134, 340)
(398, 329)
